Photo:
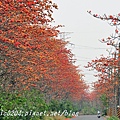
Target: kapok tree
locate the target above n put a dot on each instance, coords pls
(30, 53)
(106, 75)
(24, 26)
(110, 64)
(113, 20)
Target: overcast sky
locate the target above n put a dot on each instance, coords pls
(86, 29)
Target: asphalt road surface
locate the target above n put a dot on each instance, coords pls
(88, 117)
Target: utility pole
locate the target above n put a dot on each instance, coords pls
(118, 87)
(119, 76)
(63, 35)
(115, 88)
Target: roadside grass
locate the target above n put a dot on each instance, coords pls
(113, 118)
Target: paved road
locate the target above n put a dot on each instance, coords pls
(88, 117)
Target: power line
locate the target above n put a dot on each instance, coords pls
(86, 47)
(81, 60)
(64, 36)
(83, 57)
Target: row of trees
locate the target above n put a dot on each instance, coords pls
(108, 68)
(32, 57)
(30, 53)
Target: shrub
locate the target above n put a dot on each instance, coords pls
(28, 104)
(22, 105)
(62, 106)
(113, 118)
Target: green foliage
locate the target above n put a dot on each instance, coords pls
(22, 106)
(61, 106)
(104, 100)
(28, 105)
(56, 105)
(88, 109)
(113, 118)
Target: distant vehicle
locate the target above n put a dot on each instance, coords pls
(98, 114)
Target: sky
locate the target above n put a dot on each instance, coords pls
(84, 30)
